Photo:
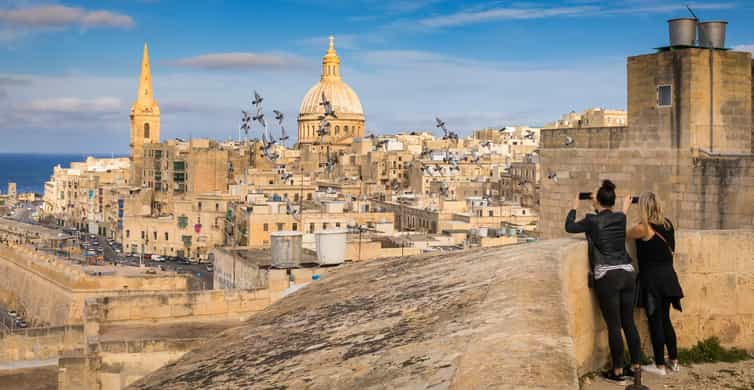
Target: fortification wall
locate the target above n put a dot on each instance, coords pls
(40, 343)
(48, 291)
(716, 271)
(696, 192)
(175, 307)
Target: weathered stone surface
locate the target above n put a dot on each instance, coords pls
(482, 319)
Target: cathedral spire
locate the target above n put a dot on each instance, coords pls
(144, 95)
(331, 62)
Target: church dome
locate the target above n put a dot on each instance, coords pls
(343, 99)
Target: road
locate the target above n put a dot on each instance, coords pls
(182, 266)
(23, 214)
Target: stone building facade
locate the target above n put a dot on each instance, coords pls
(689, 140)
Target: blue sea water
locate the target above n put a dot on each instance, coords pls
(31, 171)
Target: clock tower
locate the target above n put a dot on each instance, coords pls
(145, 121)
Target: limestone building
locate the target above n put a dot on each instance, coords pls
(145, 120)
(348, 124)
(594, 117)
(688, 139)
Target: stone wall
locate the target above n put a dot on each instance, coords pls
(175, 307)
(49, 291)
(40, 343)
(697, 192)
(716, 270)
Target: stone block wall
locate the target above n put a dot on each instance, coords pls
(40, 343)
(49, 291)
(699, 192)
(174, 307)
(716, 271)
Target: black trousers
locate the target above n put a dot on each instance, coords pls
(662, 333)
(615, 293)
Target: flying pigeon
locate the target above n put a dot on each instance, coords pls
(257, 99)
(568, 141)
(327, 106)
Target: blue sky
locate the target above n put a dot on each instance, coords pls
(69, 70)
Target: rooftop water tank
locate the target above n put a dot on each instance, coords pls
(331, 246)
(286, 249)
(682, 31)
(712, 34)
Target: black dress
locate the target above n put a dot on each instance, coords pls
(658, 281)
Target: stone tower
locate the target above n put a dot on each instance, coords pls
(145, 121)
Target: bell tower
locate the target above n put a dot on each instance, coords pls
(145, 120)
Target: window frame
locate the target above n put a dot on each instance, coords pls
(659, 95)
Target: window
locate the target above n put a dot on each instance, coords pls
(128, 233)
(281, 226)
(266, 227)
(337, 224)
(199, 206)
(142, 235)
(294, 227)
(311, 228)
(490, 213)
(146, 130)
(337, 130)
(166, 236)
(154, 236)
(345, 129)
(324, 225)
(664, 95)
(217, 206)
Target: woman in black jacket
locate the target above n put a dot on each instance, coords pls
(658, 283)
(613, 274)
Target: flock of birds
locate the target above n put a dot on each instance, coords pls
(267, 139)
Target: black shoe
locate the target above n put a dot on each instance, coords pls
(628, 372)
(610, 377)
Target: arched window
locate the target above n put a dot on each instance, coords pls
(146, 130)
(337, 130)
(345, 130)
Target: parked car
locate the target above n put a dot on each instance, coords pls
(13, 313)
(22, 324)
(157, 258)
(116, 250)
(210, 268)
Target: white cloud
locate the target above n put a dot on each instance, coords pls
(238, 61)
(71, 105)
(473, 15)
(58, 16)
(748, 47)
(464, 17)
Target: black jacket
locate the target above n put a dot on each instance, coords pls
(606, 233)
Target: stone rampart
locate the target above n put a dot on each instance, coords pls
(49, 291)
(697, 192)
(515, 317)
(716, 271)
(175, 307)
(40, 343)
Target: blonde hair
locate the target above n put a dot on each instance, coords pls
(651, 211)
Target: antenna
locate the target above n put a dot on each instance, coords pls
(692, 12)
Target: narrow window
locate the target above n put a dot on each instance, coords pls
(664, 95)
(166, 236)
(146, 130)
(265, 227)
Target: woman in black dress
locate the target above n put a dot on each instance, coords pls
(658, 283)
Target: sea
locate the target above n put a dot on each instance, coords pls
(30, 171)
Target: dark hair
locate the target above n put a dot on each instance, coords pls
(606, 194)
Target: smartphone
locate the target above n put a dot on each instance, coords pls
(585, 195)
(634, 199)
